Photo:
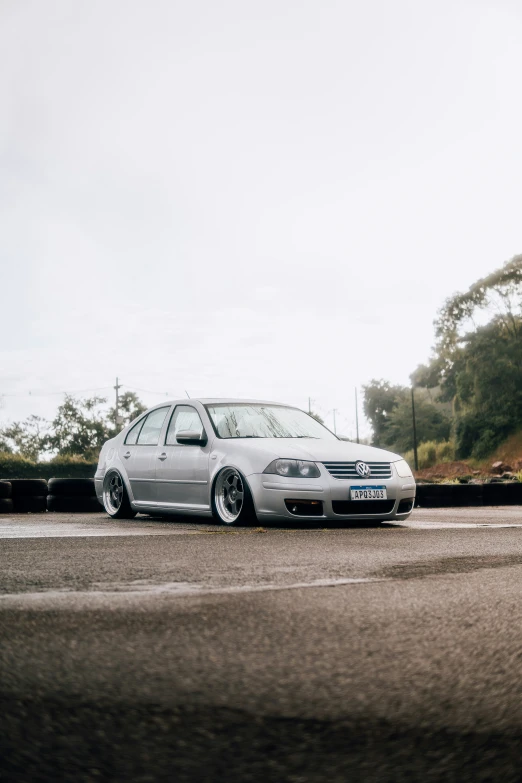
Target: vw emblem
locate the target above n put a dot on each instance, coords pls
(363, 469)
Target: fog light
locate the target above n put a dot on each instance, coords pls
(405, 506)
(305, 508)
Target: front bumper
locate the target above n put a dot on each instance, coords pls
(98, 484)
(271, 494)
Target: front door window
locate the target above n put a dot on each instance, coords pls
(185, 417)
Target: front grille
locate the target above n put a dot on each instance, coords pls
(346, 470)
(360, 507)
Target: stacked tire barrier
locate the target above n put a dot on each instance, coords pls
(74, 494)
(29, 495)
(78, 495)
(21, 496)
(6, 499)
(460, 495)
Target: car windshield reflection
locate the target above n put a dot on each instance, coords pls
(250, 420)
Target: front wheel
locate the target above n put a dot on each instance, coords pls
(115, 497)
(232, 502)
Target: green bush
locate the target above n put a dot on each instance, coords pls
(16, 466)
(432, 453)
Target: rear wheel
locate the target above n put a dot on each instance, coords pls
(232, 502)
(115, 498)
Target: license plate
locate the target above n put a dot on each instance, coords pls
(368, 493)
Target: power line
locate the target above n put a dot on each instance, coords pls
(145, 391)
(40, 393)
(51, 393)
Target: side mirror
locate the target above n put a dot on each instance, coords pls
(191, 438)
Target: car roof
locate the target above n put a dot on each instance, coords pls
(221, 401)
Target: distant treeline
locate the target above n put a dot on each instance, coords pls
(470, 392)
(16, 466)
(78, 430)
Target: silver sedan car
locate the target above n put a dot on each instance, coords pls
(242, 460)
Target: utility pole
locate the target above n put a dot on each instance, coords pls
(415, 455)
(335, 428)
(356, 415)
(309, 407)
(117, 409)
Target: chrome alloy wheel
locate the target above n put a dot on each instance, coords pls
(229, 495)
(113, 493)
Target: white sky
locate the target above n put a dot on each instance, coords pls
(267, 199)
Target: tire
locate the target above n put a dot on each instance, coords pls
(64, 503)
(32, 504)
(28, 487)
(72, 487)
(232, 502)
(6, 506)
(115, 498)
(6, 489)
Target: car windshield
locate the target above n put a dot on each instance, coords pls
(243, 420)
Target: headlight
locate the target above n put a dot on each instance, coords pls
(403, 469)
(293, 468)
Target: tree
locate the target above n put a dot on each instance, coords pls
(380, 398)
(129, 408)
(5, 446)
(316, 417)
(389, 410)
(486, 378)
(500, 294)
(431, 421)
(477, 363)
(27, 437)
(79, 427)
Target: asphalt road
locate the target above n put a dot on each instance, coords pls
(170, 651)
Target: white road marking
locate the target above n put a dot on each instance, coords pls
(449, 525)
(17, 528)
(54, 525)
(64, 598)
(90, 533)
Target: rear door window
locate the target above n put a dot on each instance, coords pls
(132, 435)
(150, 432)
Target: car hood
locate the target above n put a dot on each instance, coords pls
(319, 450)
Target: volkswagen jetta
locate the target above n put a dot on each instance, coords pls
(238, 460)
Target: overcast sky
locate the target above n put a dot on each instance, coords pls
(261, 199)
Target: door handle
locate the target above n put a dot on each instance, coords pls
(162, 456)
(127, 455)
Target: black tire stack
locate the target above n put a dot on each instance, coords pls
(461, 495)
(6, 501)
(72, 494)
(505, 494)
(29, 495)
